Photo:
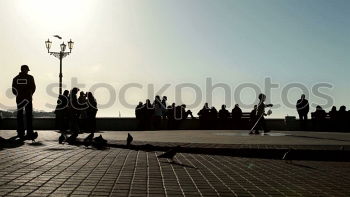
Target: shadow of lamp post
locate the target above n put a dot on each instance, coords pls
(60, 55)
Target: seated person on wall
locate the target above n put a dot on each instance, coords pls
(170, 113)
(342, 113)
(181, 114)
(139, 116)
(185, 113)
(342, 117)
(203, 115)
(148, 114)
(157, 113)
(319, 114)
(333, 113)
(224, 115)
(333, 117)
(236, 116)
(213, 116)
(318, 117)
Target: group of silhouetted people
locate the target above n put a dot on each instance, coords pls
(150, 114)
(209, 116)
(340, 115)
(69, 111)
(339, 118)
(76, 113)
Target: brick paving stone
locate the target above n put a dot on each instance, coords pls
(62, 170)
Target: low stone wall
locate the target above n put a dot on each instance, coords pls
(130, 124)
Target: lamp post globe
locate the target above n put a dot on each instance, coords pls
(70, 44)
(48, 45)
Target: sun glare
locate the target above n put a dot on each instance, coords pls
(51, 13)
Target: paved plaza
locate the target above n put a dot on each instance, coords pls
(46, 168)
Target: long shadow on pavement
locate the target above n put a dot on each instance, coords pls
(319, 138)
(299, 154)
(179, 164)
(10, 143)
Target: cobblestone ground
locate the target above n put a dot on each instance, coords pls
(50, 169)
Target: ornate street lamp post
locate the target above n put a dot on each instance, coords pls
(60, 55)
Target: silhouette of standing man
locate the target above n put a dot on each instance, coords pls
(302, 107)
(23, 87)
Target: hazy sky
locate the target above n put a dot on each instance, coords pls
(155, 42)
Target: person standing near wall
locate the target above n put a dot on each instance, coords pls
(61, 111)
(91, 112)
(23, 87)
(303, 109)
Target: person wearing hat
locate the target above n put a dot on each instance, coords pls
(23, 87)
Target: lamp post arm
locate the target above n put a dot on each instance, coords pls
(58, 54)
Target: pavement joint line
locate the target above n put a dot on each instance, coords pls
(133, 174)
(116, 180)
(61, 170)
(19, 156)
(317, 188)
(177, 178)
(234, 193)
(22, 149)
(249, 173)
(293, 183)
(230, 177)
(223, 182)
(147, 183)
(189, 175)
(161, 174)
(111, 164)
(32, 170)
(199, 171)
(91, 171)
(252, 183)
(10, 153)
(290, 183)
(261, 173)
(26, 181)
(225, 159)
